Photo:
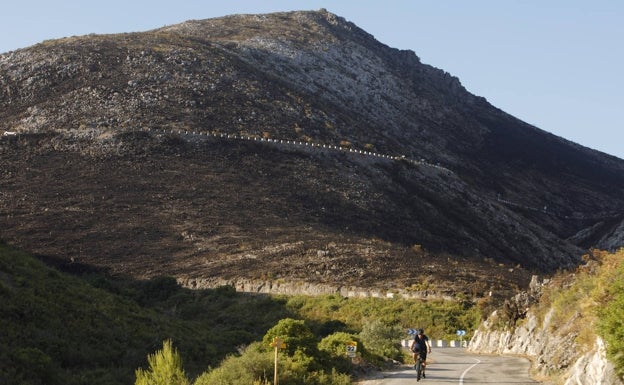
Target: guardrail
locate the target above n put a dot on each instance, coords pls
(440, 343)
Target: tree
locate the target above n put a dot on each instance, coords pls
(165, 368)
(295, 334)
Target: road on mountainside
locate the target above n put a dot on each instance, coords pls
(455, 366)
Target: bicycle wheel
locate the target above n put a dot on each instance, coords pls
(418, 369)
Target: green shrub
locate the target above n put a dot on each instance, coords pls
(336, 344)
(295, 334)
(158, 289)
(34, 366)
(334, 349)
(611, 314)
(165, 368)
(440, 319)
(326, 378)
(383, 339)
(254, 366)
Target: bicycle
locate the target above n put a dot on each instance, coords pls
(420, 370)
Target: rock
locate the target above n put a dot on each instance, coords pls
(551, 348)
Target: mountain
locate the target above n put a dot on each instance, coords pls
(287, 147)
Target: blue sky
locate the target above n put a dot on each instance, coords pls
(556, 64)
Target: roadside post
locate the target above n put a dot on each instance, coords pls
(352, 349)
(461, 334)
(278, 344)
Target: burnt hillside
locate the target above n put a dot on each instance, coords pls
(147, 153)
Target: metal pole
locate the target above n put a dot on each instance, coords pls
(275, 371)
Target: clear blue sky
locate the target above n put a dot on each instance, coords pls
(556, 64)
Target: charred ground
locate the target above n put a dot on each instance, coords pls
(109, 165)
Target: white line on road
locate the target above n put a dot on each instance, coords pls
(461, 379)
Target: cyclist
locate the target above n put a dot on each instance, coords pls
(420, 347)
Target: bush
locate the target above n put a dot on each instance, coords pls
(611, 315)
(254, 366)
(336, 344)
(441, 319)
(34, 366)
(295, 334)
(383, 339)
(158, 289)
(165, 368)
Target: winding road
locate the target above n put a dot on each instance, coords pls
(455, 366)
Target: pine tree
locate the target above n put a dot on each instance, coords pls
(165, 368)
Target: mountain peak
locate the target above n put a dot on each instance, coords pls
(297, 26)
(154, 151)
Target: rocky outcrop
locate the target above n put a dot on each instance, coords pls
(307, 288)
(613, 240)
(551, 347)
(593, 368)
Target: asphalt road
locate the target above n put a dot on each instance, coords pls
(455, 366)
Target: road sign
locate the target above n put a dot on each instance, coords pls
(278, 343)
(412, 331)
(351, 348)
(461, 332)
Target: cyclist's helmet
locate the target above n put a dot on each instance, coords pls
(420, 331)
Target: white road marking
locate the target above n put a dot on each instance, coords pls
(461, 379)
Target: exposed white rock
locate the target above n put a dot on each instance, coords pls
(550, 352)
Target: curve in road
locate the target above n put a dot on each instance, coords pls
(455, 366)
